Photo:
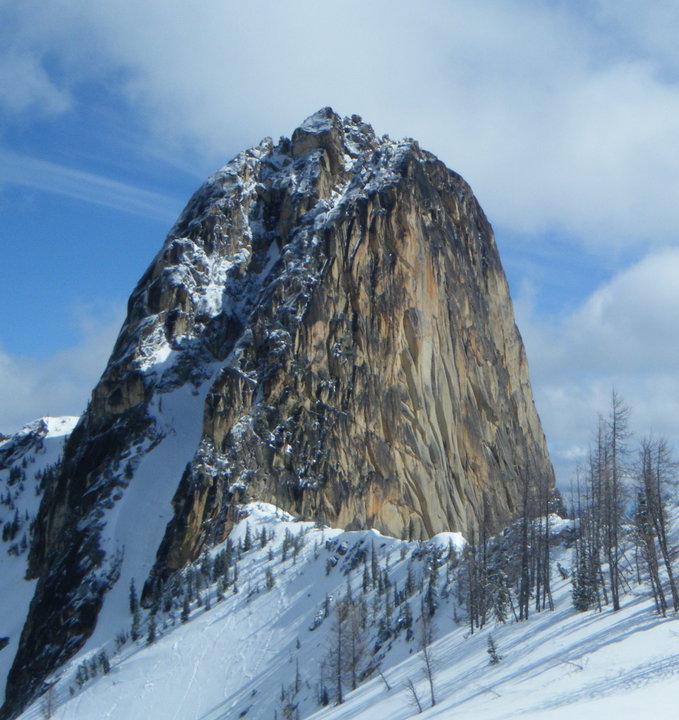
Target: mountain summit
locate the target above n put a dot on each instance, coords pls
(327, 328)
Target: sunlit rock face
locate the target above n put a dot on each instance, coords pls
(328, 328)
(374, 373)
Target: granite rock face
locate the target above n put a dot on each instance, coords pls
(333, 313)
(378, 379)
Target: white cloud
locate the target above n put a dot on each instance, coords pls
(630, 324)
(625, 336)
(59, 384)
(563, 115)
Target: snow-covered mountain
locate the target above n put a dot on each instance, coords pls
(318, 389)
(28, 463)
(250, 629)
(259, 641)
(327, 328)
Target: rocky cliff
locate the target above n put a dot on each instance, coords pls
(327, 327)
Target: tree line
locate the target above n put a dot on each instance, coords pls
(622, 504)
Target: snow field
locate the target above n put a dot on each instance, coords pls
(238, 658)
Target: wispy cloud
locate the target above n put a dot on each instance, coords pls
(62, 180)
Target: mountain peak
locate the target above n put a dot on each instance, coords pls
(327, 328)
(323, 120)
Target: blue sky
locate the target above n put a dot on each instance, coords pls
(563, 116)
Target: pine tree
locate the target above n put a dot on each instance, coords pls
(104, 662)
(218, 566)
(185, 609)
(82, 675)
(323, 697)
(366, 578)
(135, 632)
(337, 656)
(247, 542)
(584, 592)
(285, 545)
(229, 553)
(374, 566)
(500, 594)
(431, 594)
(492, 651)
(407, 620)
(410, 581)
(151, 634)
(355, 642)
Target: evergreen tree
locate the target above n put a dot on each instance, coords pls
(500, 595)
(366, 578)
(185, 609)
(247, 542)
(410, 586)
(405, 620)
(229, 552)
(492, 651)
(151, 634)
(135, 632)
(584, 592)
(104, 662)
(374, 566)
(287, 542)
(134, 601)
(431, 593)
(49, 701)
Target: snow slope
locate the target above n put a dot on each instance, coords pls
(136, 522)
(241, 657)
(556, 665)
(23, 458)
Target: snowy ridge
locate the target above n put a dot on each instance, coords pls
(256, 646)
(30, 436)
(28, 461)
